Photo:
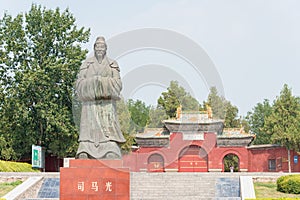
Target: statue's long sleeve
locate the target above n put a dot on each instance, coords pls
(86, 88)
(112, 85)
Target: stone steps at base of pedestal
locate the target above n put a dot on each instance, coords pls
(184, 186)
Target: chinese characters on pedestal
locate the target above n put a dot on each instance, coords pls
(106, 186)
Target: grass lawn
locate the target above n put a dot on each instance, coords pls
(268, 189)
(6, 187)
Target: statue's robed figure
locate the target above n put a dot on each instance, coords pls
(98, 87)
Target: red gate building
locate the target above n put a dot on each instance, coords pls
(196, 143)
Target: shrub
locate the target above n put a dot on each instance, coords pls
(289, 184)
(7, 166)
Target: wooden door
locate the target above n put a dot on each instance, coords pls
(155, 163)
(193, 160)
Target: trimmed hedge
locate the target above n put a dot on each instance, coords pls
(8, 166)
(289, 184)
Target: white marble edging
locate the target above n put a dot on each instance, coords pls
(247, 187)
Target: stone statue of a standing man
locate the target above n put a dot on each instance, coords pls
(98, 87)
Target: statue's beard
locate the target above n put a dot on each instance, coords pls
(100, 55)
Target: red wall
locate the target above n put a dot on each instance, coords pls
(258, 159)
(138, 159)
(250, 159)
(217, 155)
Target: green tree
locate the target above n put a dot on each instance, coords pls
(217, 103)
(244, 123)
(6, 150)
(223, 109)
(40, 58)
(174, 97)
(284, 121)
(231, 116)
(256, 120)
(139, 113)
(125, 124)
(156, 117)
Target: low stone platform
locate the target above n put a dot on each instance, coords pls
(172, 185)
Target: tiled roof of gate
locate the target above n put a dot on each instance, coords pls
(153, 132)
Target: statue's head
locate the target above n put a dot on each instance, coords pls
(100, 48)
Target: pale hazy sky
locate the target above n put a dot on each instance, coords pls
(254, 45)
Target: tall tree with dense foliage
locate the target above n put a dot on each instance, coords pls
(174, 97)
(40, 55)
(156, 117)
(139, 113)
(231, 116)
(256, 119)
(217, 103)
(284, 121)
(126, 125)
(223, 109)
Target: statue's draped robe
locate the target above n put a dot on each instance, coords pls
(98, 87)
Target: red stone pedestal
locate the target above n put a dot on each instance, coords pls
(94, 179)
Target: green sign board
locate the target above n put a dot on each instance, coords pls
(38, 157)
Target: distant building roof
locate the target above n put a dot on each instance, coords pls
(234, 140)
(153, 137)
(235, 132)
(153, 133)
(263, 146)
(194, 117)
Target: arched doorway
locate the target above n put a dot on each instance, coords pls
(155, 163)
(192, 159)
(231, 162)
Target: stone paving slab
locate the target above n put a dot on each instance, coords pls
(49, 188)
(228, 187)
